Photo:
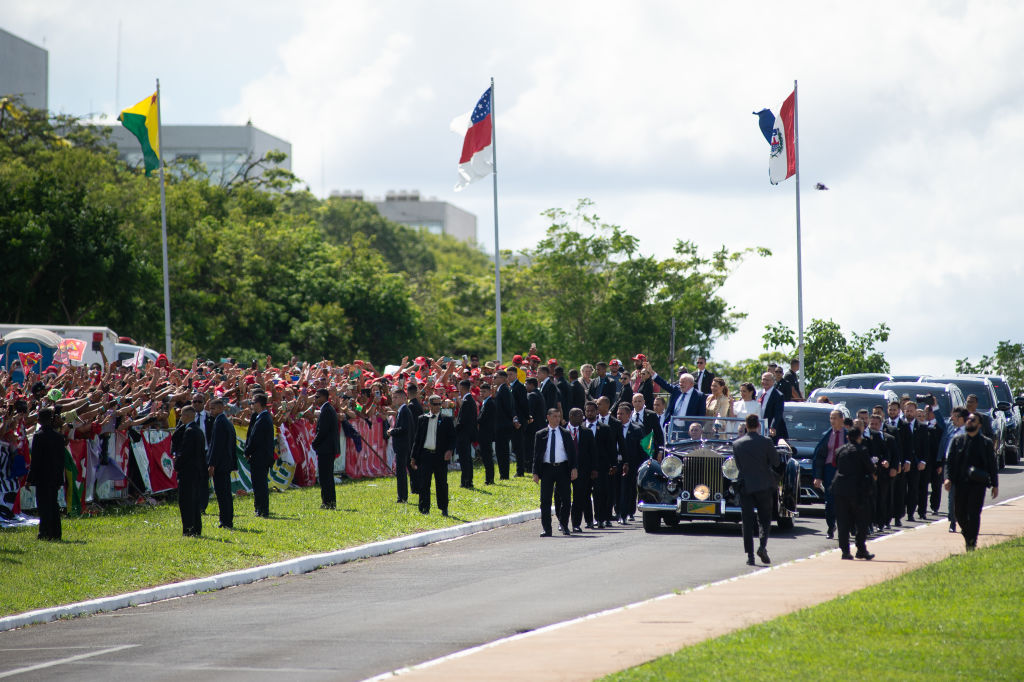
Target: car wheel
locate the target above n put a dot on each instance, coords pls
(671, 519)
(652, 522)
(784, 523)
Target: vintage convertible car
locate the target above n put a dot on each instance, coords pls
(696, 479)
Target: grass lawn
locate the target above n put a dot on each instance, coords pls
(957, 619)
(131, 548)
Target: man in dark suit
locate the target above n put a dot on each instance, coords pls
(632, 455)
(259, 451)
(466, 432)
(190, 464)
(702, 376)
(920, 442)
(554, 467)
(435, 440)
(485, 432)
(327, 445)
(757, 460)
(522, 446)
(205, 422)
(825, 465)
(402, 433)
(586, 462)
(969, 451)
(548, 389)
(599, 383)
(577, 391)
(504, 423)
(896, 427)
(685, 401)
(851, 490)
(46, 473)
(564, 391)
(416, 407)
(882, 445)
(222, 460)
(641, 382)
(605, 417)
(772, 406)
(604, 462)
(536, 411)
(649, 423)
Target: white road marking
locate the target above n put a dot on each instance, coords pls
(62, 661)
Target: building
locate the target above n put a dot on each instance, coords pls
(223, 150)
(408, 208)
(24, 70)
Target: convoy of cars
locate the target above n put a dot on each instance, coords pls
(696, 479)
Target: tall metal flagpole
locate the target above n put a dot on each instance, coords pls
(799, 261)
(163, 228)
(497, 254)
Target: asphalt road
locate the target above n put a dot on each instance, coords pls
(355, 621)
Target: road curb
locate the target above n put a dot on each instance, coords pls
(298, 565)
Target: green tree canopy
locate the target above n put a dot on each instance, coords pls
(1007, 361)
(828, 353)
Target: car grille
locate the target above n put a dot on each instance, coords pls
(703, 466)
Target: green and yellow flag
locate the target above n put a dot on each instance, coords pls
(143, 121)
(648, 443)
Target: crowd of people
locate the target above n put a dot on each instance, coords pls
(580, 433)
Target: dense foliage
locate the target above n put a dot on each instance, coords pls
(828, 353)
(1008, 361)
(258, 264)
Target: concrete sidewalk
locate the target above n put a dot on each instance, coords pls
(603, 643)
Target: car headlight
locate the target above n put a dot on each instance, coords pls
(730, 469)
(702, 492)
(671, 466)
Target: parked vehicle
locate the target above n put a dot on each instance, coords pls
(988, 404)
(96, 338)
(1004, 394)
(858, 380)
(854, 399)
(806, 424)
(947, 396)
(696, 480)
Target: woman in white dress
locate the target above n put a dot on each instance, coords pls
(747, 404)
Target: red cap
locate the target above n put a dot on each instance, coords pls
(614, 361)
(639, 357)
(358, 363)
(249, 379)
(517, 359)
(552, 361)
(51, 368)
(420, 360)
(161, 360)
(534, 358)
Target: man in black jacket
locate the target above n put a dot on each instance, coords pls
(521, 415)
(898, 429)
(564, 391)
(504, 422)
(435, 440)
(536, 411)
(466, 432)
(883, 446)
(641, 382)
(259, 451)
(548, 389)
(702, 376)
(222, 460)
(851, 490)
(920, 441)
(416, 407)
(649, 423)
(190, 464)
(586, 462)
(604, 464)
(757, 460)
(402, 433)
(577, 391)
(554, 467)
(46, 473)
(327, 445)
(631, 455)
(970, 469)
(485, 432)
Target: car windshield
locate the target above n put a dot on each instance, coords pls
(855, 403)
(976, 386)
(859, 382)
(1002, 391)
(806, 424)
(914, 389)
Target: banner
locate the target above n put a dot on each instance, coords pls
(373, 459)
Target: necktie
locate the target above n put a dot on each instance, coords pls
(551, 446)
(575, 434)
(835, 446)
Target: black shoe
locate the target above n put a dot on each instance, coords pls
(631, 518)
(546, 534)
(591, 526)
(864, 554)
(565, 531)
(910, 518)
(847, 556)
(831, 534)
(488, 482)
(952, 528)
(898, 524)
(226, 525)
(750, 560)
(424, 511)
(517, 476)
(762, 554)
(971, 548)
(577, 529)
(444, 512)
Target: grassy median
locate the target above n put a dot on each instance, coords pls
(130, 548)
(956, 619)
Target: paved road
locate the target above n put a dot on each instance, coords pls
(354, 621)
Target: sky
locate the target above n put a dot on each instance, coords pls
(912, 113)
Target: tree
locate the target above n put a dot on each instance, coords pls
(827, 353)
(587, 292)
(1007, 361)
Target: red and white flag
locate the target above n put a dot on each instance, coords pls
(476, 127)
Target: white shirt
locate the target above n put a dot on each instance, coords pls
(430, 441)
(593, 425)
(683, 403)
(560, 455)
(637, 417)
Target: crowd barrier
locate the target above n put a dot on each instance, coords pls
(100, 467)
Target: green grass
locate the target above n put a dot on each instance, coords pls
(957, 619)
(130, 548)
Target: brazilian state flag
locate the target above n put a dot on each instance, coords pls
(143, 120)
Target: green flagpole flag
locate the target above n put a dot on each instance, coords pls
(143, 120)
(648, 443)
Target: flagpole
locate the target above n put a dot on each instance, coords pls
(799, 260)
(497, 254)
(163, 227)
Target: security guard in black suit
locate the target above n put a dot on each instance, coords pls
(485, 432)
(190, 464)
(757, 460)
(46, 473)
(586, 457)
(851, 491)
(435, 441)
(554, 467)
